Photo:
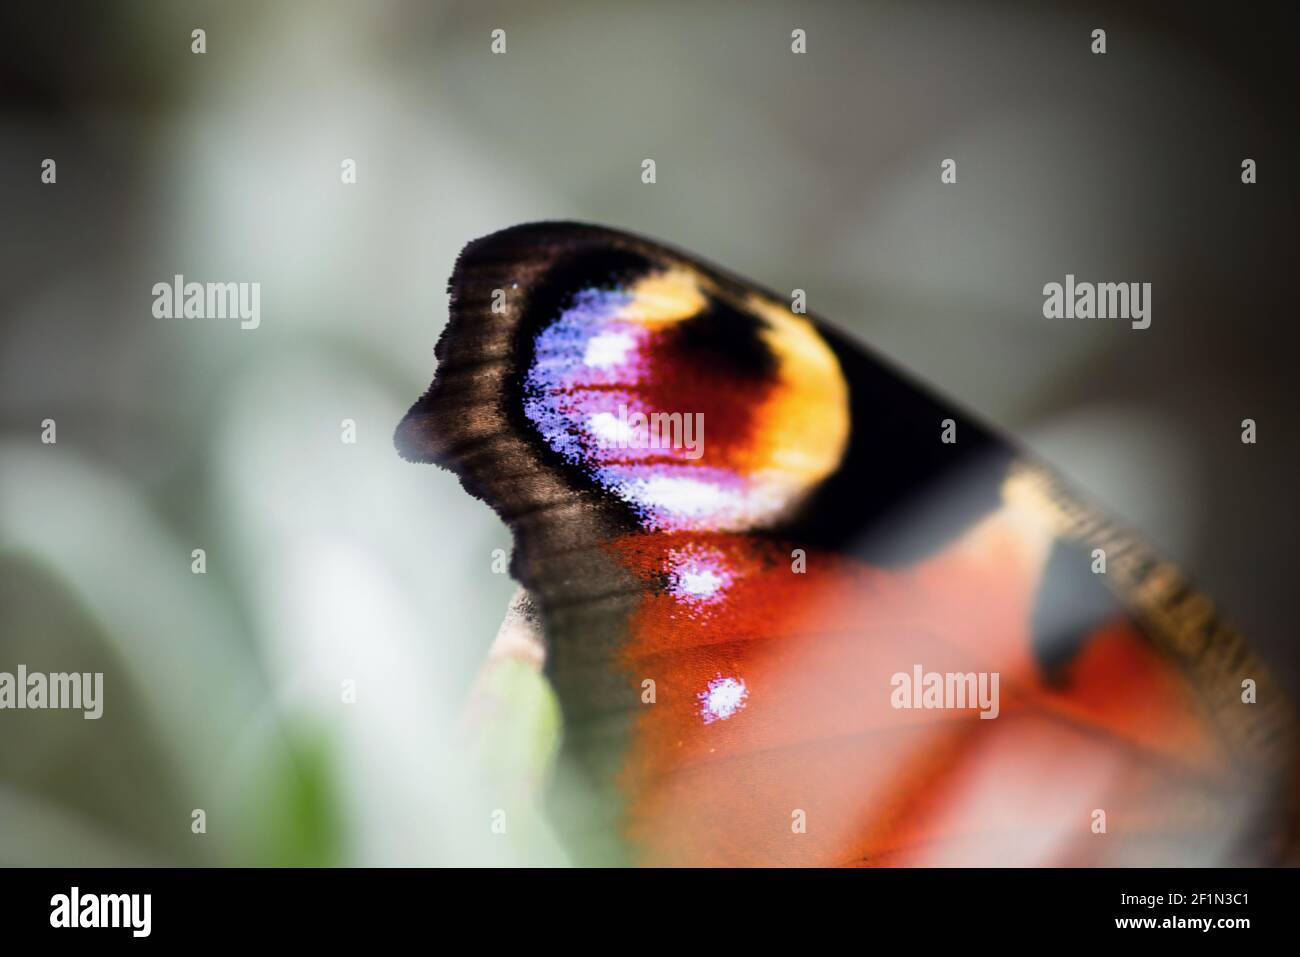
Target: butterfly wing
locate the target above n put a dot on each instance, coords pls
(797, 610)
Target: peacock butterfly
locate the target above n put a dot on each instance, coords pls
(799, 611)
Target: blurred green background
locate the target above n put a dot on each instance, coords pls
(330, 562)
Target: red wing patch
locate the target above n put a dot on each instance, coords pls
(774, 735)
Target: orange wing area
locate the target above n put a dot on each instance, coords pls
(773, 738)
